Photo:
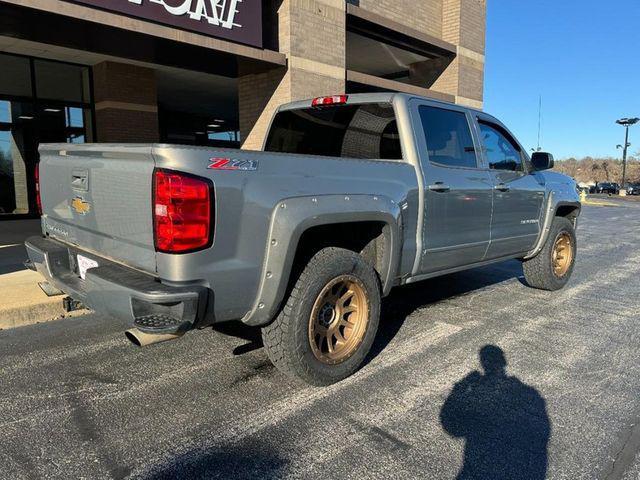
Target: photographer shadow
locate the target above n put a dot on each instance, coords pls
(503, 421)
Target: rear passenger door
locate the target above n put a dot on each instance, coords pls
(518, 192)
(457, 192)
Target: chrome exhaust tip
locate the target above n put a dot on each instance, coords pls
(144, 339)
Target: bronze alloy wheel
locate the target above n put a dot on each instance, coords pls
(339, 320)
(562, 254)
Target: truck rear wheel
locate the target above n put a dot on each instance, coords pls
(553, 266)
(330, 320)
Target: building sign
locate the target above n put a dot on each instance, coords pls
(235, 20)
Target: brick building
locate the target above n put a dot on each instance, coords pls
(211, 72)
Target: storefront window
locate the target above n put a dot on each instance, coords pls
(5, 111)
(57, 110)
(59, 81)
(74, 117)
(15, 79)
(13, 175)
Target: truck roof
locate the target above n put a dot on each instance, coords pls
(373, 97)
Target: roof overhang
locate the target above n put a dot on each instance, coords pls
(85, 28)
(393, 33)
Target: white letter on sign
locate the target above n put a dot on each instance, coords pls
(200, 11)
(233, 9)
(177, 11)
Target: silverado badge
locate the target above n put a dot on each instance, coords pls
(80, 206)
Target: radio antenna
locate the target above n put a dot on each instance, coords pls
(539, 122)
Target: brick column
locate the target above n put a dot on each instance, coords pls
(126, 103)
(463, 24)
(312, 35)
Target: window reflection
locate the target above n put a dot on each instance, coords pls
(14, 196)
(61, 81)
(5, 111)
(74, 117)
(75, 138)
(15, 79)
(54, 110)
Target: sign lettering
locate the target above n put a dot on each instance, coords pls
(236, 20)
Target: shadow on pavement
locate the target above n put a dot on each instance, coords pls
(400, 304)
(403, 301)
(503, 421)
(234, 462)
(12, 259)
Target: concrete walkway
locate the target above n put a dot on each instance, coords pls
(22, 302)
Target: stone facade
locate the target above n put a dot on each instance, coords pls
(312, 34)
(464, 26)
(126, 103)
(426, 16)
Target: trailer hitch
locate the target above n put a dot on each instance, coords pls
(71, 305)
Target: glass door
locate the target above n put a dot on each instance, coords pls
(41, 101)
(17, 158)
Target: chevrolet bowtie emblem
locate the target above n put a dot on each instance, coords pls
(80, 206)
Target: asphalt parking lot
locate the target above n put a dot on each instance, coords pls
(473, 375)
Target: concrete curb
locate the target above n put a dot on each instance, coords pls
(601, 204)
(35, 313)
(24, 303)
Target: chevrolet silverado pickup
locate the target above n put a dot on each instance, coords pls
(350, 197)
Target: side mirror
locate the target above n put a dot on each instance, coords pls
(542, 161)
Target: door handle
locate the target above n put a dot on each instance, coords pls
(501, 187)
(439, 187)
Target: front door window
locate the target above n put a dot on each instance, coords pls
(501, 153)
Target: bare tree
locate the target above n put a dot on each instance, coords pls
(591, 170)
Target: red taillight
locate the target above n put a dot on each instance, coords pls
(328, 101)
(182, 212)
(36, 175)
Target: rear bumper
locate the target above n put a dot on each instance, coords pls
(117, 290)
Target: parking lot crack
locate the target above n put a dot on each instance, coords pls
(626, 454)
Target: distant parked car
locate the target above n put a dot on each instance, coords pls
(633, 189)
(608, 187)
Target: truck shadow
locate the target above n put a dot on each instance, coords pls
(232, 462)
(404, 301)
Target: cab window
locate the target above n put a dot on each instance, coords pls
(365, 131)
(501, 151)
(449, 140)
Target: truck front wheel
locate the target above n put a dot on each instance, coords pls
(326, 329)
(553, 266)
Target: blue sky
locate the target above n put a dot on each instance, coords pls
(582, 56)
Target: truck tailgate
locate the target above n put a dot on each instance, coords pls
(98, 197)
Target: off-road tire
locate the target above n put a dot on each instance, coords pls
(539, 270)
(286, 339)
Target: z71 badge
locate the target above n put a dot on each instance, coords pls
(231, 164)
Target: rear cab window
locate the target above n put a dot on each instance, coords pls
(448, 137)
(364, 131)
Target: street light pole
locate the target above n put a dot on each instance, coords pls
(626, 123)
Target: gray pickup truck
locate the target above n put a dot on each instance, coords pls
(350, 197)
